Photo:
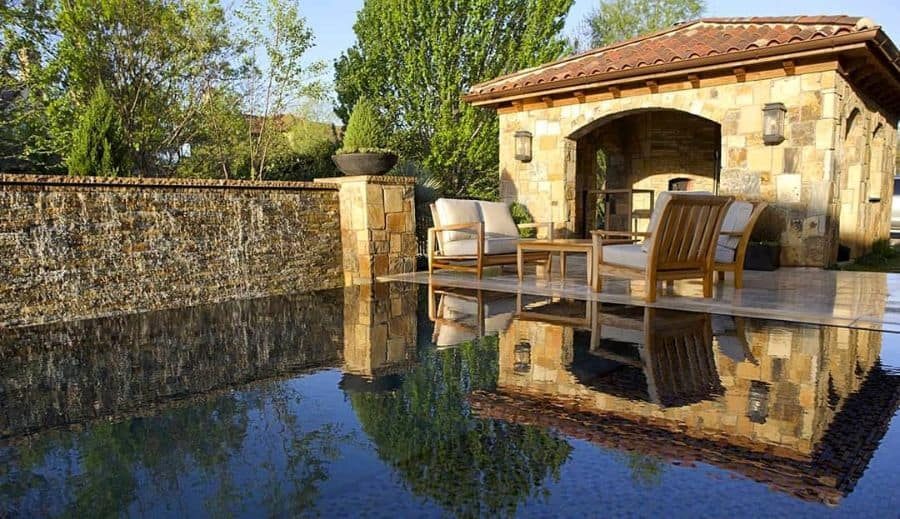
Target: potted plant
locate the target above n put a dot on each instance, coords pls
(363, 152)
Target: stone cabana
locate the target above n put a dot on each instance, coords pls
(683, 108)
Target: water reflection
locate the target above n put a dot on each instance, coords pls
(443, 401)
(775, 402)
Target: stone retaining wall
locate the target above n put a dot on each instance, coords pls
(74, 248)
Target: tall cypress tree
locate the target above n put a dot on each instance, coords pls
(415, 58)
(98, 144)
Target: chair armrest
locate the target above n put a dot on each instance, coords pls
(473, 226)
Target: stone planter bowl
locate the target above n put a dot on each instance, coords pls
(353, 164)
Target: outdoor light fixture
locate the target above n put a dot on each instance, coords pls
(773, 123)
(522, 358)
(523, 146)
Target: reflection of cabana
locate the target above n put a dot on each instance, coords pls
(827, 475)
(460, 315)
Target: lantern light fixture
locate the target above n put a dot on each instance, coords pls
(523, 146)
(773, 123)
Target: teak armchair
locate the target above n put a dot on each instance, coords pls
(680, 245)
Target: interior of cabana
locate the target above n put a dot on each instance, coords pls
(624, 160)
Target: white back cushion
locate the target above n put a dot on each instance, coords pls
(497, 219)
(661, 202)
(453, 211)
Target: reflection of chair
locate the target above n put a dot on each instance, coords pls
(661, 356)
(462, 315)
(680, 244)
(552, 310)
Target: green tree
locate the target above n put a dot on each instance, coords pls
(617, 20)
(416, 58)
(277, 85)
(98, 145)
(27, 88)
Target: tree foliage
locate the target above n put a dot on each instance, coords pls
(416, 58)
(98, 143)
(617, 20)
(470, 466)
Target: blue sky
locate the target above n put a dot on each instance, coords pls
(332, 20)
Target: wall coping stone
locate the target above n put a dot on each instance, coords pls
(368, 179)
(152, 182)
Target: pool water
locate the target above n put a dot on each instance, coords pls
(396, 400)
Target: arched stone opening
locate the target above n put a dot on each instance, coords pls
(643, 152)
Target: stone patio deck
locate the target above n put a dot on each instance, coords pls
(866, 300)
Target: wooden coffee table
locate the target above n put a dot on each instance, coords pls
(562, 246)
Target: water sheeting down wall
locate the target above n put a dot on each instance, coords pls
(75, 248)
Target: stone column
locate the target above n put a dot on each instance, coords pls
(378, 226)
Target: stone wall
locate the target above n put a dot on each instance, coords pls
(801, 177)
(74, 248)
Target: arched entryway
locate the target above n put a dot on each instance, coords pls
(625, 159)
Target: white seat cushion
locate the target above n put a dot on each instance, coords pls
(452, 211)
(497, 219)
(724, 254)
(661, 202)
(493, 244)
(626, 255)
(626, 335)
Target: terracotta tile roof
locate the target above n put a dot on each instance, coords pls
(686, 45)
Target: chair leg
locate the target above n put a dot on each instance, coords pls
(708, 284)
(651, 291)
(739, 278)
(721, 274)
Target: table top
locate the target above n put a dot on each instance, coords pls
(558, 243)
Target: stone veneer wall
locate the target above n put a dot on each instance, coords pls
(73, 248)
(811, 190)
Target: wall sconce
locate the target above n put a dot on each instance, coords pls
(758, 402)
(523, 146)
(773, 123)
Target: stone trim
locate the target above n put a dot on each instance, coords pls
(368, 179)
(147, 182)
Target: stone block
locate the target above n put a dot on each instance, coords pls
(788, 188)
(393, 199)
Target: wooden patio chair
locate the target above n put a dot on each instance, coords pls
(469, 235)
(680, 245)
(734, 238)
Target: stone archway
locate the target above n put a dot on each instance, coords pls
(643, 149)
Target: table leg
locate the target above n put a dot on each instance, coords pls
(562, 265)
(589, 257)
(520, 264)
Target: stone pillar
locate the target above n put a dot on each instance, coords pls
(379, 329)
(378, 226)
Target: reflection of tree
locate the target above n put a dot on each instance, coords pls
(467, 465)
(646, 470)
(109, 467)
